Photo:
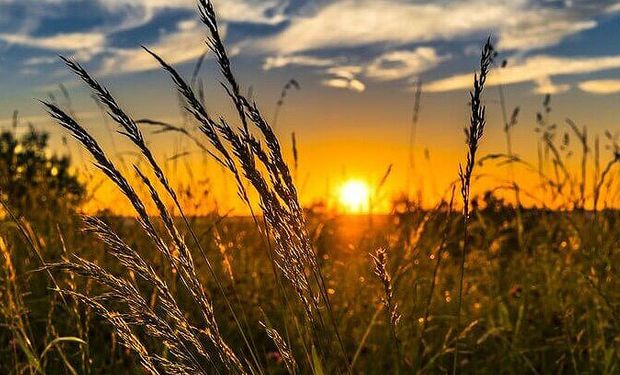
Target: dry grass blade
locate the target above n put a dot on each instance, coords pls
(283, 348)
(473, 135)
(181, 261)
(132, 131)
(379, 259)
(291, 84)
(277, 193)
(278, 199)
(208, 17)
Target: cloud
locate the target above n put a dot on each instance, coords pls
(87, 43)
(519, 24)
(538, 69)
(544, 29)
(613, 8)
(403, 64)
(345, 77)
(341, 83)
(396, 38)
(388, 66)
(601, 87)
(40, 60)
(545, 86)
(184, 44)
(250, 11)
(273, 62)
(345, 71)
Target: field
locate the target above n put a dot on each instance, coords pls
(477, 284)
(546, 306)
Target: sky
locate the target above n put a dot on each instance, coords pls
(358, 63)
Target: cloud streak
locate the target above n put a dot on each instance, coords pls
(182, 44)
(601, 87)
(185, 44)
(87, 43)
(251, 11)
(274, 62)
(384, 40)
(519, 24)
(403, 64)
(538, 69)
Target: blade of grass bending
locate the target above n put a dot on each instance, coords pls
(132, 132)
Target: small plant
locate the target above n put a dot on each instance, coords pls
(473, 135)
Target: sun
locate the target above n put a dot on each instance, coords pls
(354, 196)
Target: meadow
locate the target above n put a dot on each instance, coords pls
(477, 284)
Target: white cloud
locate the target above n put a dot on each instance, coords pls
(601, 86)
(88, 43)
(538, 69)
(345, 71)
(545, 86)
(253, 11)
(613, 8)
(273, 62)
(342, 83)
(386, 67)
(519, 24)
(185, 44)
(345, 77)
(403, 64)
(541, 29)
(392, 25)
(41, 60)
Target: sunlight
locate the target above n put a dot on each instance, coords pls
(354, 196)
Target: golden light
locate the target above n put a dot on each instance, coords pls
(354, 196)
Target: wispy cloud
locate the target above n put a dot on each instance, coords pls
(342, 83)
(251, 11)
(519, 24)
(40, 60)
(388, 66)
(184, 44)
(385, 40)
(273, 62)
(403, 64)
(544, 85)
(601, 86)
(538, 69)
(345, 77)
(87, 44)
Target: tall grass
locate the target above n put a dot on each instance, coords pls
(473, 135)
(244, 155)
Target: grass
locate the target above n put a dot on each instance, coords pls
(497, 288)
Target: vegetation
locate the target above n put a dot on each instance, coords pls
(498, 288)
(33, 180)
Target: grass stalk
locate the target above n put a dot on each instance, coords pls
(473, 135)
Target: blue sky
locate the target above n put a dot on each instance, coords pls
(357, 60)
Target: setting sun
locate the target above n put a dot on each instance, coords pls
(354, 196)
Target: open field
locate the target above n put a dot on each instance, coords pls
(547, 306)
